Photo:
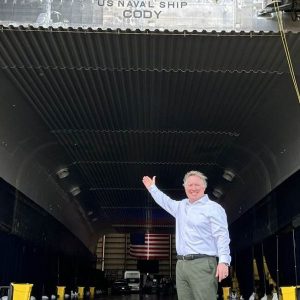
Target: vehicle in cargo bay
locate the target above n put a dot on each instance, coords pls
(133, 279)
(120, 287)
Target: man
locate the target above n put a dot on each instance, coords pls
(201, 236)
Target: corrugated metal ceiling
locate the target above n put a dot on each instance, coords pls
(121, 104)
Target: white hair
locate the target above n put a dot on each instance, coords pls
(195, 173)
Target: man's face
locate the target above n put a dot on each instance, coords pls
(194, 188)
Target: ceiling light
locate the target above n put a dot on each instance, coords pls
(62, 173)
(217, 192)
(75, 191)
(228, 175)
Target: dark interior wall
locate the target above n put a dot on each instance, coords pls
(36, 248)
(270, 229)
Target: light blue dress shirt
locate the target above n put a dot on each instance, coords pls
(201, 227)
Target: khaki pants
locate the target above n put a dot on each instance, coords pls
(196, 279)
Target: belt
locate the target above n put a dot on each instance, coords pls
(192, 256)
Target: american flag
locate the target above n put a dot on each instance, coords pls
(149, 246)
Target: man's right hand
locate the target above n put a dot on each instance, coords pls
(148, 181)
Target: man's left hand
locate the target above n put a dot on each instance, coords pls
(222, 271)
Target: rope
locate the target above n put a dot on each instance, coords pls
(286, 50)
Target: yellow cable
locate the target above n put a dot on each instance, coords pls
(286, 50)
(285, 45)
(284, 41)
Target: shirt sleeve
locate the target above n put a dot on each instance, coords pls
(219, 228)
(164, 201)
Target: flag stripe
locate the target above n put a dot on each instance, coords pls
(150, 246)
